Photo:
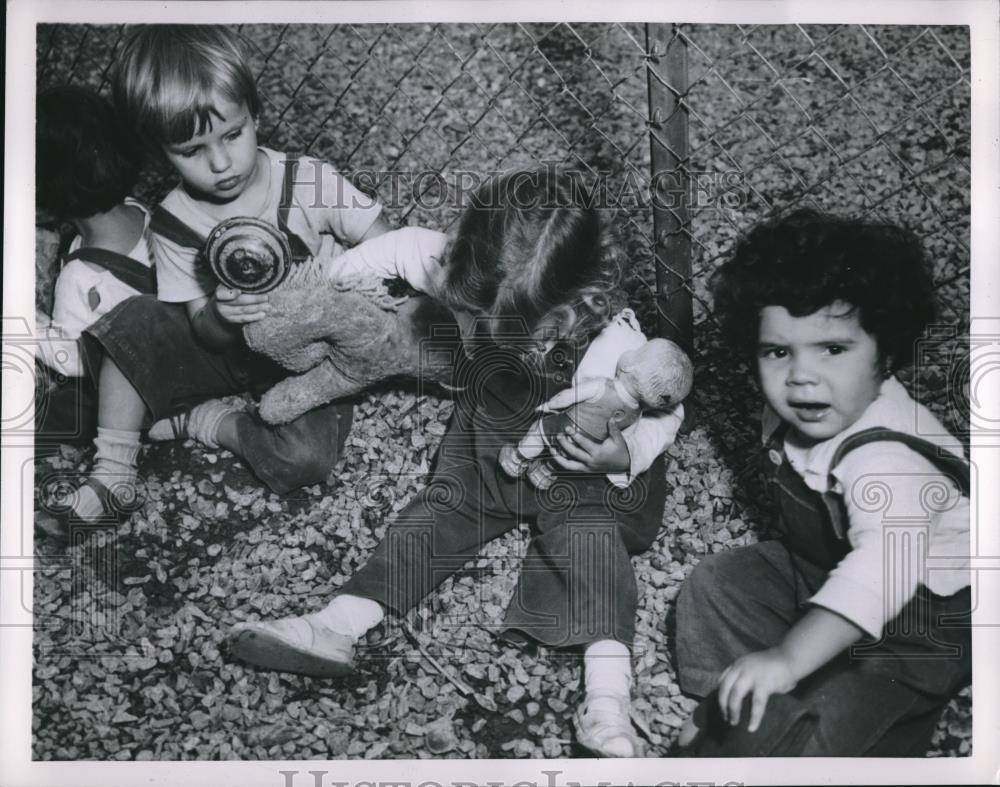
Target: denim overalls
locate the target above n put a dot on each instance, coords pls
(154, 345)
(881, 698)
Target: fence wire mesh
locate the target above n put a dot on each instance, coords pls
(872, 121)
(746, 122)
(860, 119)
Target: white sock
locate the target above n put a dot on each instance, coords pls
(350, 615)
(607, 678)
(607, 668)
(114, 466)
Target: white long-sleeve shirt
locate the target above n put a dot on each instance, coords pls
(414, 254)
(908, 524)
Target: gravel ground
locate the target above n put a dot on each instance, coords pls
(130, 656)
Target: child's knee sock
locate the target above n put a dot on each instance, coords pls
(350, 615)
(607, 668)
(115, 464)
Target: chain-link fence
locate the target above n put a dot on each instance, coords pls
(418, 113)
(733, 123)
(744, 121)
(872, 121)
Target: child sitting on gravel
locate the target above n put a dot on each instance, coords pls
(190, 96)
(84, 171)
(837, 639)
(526, 274)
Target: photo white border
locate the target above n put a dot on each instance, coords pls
(16, 766)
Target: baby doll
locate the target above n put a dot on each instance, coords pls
(655, 376)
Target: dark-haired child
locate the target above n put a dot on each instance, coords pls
(189, 96)
(526, 273)
(85, 170)
(848, 634)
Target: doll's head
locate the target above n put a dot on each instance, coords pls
(528, 248)
(826, 308)
(659, 374)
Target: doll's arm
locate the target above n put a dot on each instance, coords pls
(646, 439)
(410, 253)
(577, 394)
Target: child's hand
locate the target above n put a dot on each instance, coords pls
(579, 452)
(759, 674)
(240, 307)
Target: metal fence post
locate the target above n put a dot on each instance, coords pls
(667, 78)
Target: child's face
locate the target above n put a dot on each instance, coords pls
(219, 163)
(818, 372)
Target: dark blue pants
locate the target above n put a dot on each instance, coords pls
(576, 584)
(879, 699)
(154, 346)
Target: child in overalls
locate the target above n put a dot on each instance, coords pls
(526, 274)
(85, 170)
(188, 93)
(848, 634)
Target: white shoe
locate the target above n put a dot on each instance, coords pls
(607, 730)
(295, 644)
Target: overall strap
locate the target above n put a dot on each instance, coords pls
(948, 463)
(167, 225)
(300, 251)
(131, 272)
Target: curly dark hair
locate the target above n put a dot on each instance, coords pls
(806, 260)
(85, 162)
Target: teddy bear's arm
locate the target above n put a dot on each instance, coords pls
(302, 358)
(296, 395)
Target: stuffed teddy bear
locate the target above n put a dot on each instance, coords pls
(656, 375)
(340, 337)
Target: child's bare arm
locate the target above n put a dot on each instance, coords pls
(217, 319)
(818, 637)
(578, 452)
(624, 454)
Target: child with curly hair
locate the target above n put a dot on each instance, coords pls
(526, 273)
(188, 94)
(836, 639)
(85, 170)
